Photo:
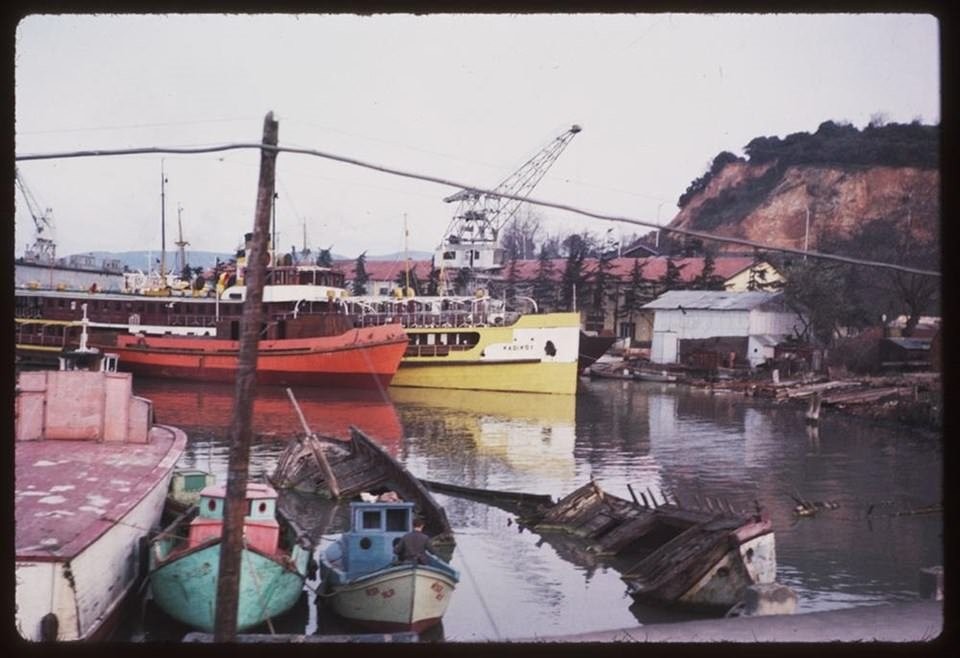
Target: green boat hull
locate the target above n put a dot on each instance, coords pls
(185, 587)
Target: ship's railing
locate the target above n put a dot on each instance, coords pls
(192, 321)
(442, 319)
(434, 350)
(46, 333)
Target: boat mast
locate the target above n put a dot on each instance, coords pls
(406, 258)
(241, 434)
(163, 225)
(181, 243)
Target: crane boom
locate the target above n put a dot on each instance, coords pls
(480, 216)
(470, 241)
(43, 250)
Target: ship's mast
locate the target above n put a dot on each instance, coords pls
(181, 243)
(163, 223)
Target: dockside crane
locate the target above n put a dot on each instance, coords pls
(471, 239)
(43, 249)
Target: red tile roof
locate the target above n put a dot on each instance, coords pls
(384, 270)
(652, 267)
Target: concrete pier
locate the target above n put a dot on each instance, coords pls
(919, 621)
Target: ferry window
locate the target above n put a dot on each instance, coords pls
(371, 520)
(550, 349)
(449, 255)
(397, 520)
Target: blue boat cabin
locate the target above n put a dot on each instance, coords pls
(374, 529)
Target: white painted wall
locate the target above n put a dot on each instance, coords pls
(672, 325)
(775, 323)
(699, 323)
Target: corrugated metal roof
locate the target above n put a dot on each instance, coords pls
(714, 300)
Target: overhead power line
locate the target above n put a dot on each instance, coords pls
(460, 185)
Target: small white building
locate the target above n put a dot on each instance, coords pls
(742, 327)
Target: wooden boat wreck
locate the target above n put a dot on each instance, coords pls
(345, 469)
(185, 561)
(702, 556)
(365, 582)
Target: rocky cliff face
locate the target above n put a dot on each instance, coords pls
(786, 206)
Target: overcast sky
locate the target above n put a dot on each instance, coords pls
(462, 97)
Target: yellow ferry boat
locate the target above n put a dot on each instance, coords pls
(473, 343)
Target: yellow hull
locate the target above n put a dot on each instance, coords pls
(537, 354)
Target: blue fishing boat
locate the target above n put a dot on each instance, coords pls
(185, 561)
(365, 583)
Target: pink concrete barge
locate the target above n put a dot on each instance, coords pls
(92, 472)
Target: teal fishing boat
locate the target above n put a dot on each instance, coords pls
(185, 561)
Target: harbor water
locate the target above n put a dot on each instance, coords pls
(866, 549)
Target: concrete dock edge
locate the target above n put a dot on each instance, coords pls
(920, 621)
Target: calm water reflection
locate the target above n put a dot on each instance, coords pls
(661, 437)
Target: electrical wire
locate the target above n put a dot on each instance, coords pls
(480, 190)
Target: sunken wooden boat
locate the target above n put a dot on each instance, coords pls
(185, 561)
(364, 582)
(699, 555)
(359, 465)
(685, 555)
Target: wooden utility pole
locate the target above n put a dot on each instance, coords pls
(228, 583)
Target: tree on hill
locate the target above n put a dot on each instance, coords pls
(698, 185)
(325, 257)
(822, 294)
(360, 276)
(892, 292)
(433, 281)
(638, 293)
(510, 283)
(600, 288)
(402, 280)
(672, 277)
(544, 286)
(573, 278)
(757, 276)
(708, 279)
(519, 237)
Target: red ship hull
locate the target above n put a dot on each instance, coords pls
(358, 358)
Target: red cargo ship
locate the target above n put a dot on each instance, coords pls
(356, 358)
(307, 337)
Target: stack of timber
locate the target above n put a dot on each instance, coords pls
(345, 469)
(845, 392)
